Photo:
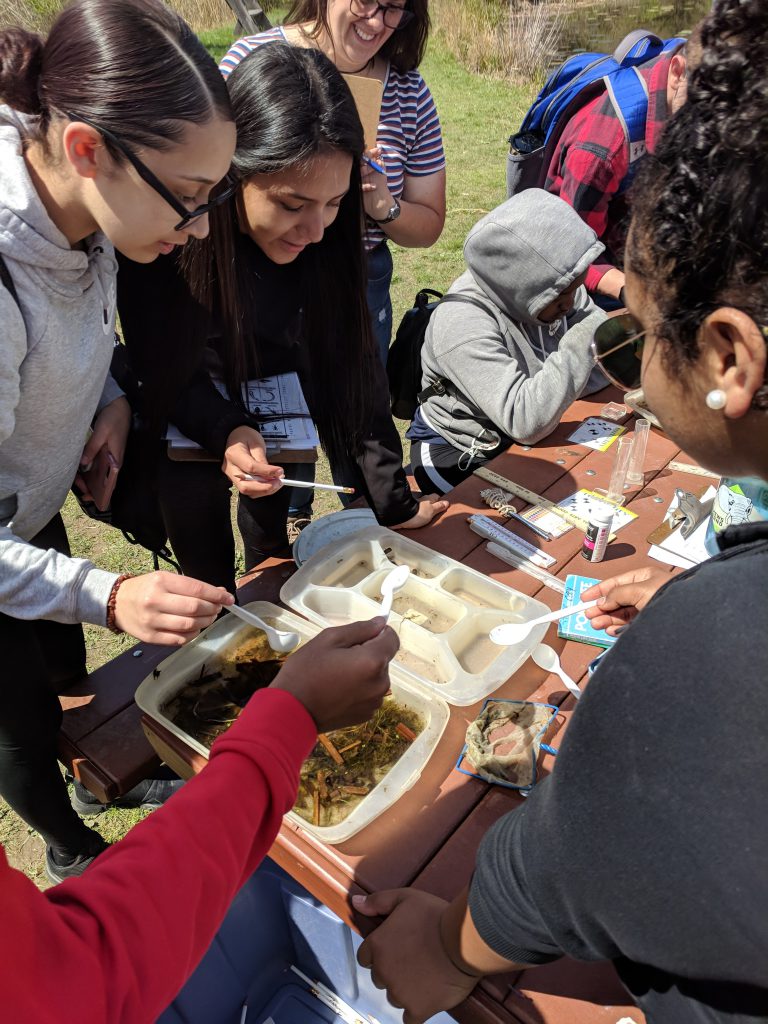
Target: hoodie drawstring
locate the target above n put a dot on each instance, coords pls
(103, 273)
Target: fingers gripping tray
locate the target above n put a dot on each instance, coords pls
(198, 691)
(442, 615)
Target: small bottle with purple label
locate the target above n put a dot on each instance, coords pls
(596, 537)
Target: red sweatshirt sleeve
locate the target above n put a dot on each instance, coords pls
(115, 946)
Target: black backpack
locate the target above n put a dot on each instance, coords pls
(404, 359)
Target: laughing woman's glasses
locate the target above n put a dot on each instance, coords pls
(617, 346)
(394, 17)
(229, 188)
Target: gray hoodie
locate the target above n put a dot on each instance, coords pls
(54, 361)
(512, 376)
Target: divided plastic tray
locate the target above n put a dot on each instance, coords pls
(443, 614)
(224, 636)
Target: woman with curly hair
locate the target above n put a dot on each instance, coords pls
(646, 845)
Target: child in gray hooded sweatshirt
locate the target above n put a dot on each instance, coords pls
(505, 365)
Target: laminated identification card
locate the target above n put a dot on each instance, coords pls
(596, 433)
(578, 626)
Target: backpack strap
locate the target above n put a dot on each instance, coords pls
(439, 386)
(628, 91)
(626, 47)
(7, 281)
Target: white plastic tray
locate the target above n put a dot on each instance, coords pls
(443, 614)
(219, 640)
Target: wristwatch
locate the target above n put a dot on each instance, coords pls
(392, 214)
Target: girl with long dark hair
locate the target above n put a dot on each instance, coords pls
(97, 149)
(404, 186)
(278, 286)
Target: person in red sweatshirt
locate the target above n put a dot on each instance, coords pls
(115, 945)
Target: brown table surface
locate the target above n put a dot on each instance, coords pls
(429, 837)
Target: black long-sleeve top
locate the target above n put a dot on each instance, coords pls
(156, 309)
(648, 844)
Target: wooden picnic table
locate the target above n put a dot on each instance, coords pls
(429, 837)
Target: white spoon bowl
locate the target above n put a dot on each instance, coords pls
(546, 657)
(280, 640)
(392, 581)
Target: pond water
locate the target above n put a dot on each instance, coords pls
(600, 26)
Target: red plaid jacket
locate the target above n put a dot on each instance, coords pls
(592, 160)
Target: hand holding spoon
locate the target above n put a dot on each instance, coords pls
(515, 632)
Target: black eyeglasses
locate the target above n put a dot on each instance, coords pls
(394, 17)
(617, 346)
(154, 182)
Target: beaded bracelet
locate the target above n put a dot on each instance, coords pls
(112, 602)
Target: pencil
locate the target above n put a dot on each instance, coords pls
(304, 483)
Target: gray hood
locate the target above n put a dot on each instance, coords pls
(545, 240)
(29, 237)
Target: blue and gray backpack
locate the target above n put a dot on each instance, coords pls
(577, 81)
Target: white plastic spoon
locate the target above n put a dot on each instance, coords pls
(392, 581)
(515, 632)
(546, 658)
(280, 640)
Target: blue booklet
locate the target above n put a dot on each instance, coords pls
(578, 626)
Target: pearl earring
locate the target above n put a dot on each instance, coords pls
(715, 399)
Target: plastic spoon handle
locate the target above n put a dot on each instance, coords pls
(386, 604)
(568, 683)
(562, 612)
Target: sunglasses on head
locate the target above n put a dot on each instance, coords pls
(229, 189)
(617, 346)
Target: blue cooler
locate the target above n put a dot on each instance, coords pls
(272, 925)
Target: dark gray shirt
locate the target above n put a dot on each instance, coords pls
(648, 844)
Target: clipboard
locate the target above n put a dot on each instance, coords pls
(367, 93)
(275, 454)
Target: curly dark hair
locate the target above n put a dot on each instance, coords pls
(699, 234)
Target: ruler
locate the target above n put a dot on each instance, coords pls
(687, 467)
(531, 497)
(491, 530)
(525, 565)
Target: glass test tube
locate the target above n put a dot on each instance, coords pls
(636, 471)
(615, 490)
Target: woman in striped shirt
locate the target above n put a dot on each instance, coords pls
(384, 42)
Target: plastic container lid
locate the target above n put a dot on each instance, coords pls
(327, 529)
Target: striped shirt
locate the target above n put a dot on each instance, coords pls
(409, 134)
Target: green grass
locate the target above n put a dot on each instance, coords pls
(477, 116)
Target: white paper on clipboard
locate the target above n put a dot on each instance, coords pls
(270, 397)
(685, 553)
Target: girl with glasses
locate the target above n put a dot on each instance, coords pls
(646, 845)
(277, 287)
(405, 203)
(68, 197)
